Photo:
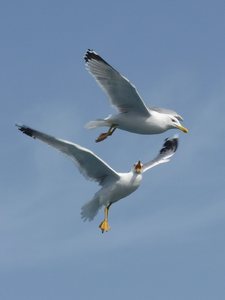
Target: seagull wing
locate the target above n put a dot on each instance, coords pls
(122, 94)
(169, 148)
(167, 111)
(89, 164)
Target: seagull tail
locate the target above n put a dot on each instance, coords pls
(91, 208)
(99, 123)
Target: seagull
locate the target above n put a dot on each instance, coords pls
(133, 114)
(114, 185)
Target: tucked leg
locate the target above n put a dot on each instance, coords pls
(104, 135)
(104, 226)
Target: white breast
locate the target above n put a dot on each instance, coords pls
(156, 123)
(123, 187)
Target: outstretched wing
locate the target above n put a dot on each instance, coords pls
(122, 94)
(169, 148)
(89, 164)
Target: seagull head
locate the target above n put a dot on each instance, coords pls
(138, 167)
(175, 123)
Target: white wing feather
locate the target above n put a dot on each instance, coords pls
(169, 148)
(89, 164)
(122, 94)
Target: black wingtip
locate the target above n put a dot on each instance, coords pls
(171, 144)
(92, 55)
(26, 130)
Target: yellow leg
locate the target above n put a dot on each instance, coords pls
(104, 135)
(104, 226)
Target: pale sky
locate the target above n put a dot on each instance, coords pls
(167, 238)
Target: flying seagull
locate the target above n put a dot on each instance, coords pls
(114, 185)
(133, 114)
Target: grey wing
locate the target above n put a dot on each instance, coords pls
(122, 94)
(167, 111)
(89, 164)
(169, 148)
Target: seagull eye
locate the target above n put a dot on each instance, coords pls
(173, 120)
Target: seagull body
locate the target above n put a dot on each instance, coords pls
(133, 115)
(154, 124)
(114, 185)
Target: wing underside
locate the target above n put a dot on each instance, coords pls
(122, 94)
(89, 164)
(167, 151)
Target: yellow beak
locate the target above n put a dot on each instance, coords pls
(182, 128)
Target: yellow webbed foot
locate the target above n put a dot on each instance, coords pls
(104, 226)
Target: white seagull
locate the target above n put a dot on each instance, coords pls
(114, 185)
(133, 114)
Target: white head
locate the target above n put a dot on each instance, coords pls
(173, 122)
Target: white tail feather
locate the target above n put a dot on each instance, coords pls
(99, 123)
(91, 208)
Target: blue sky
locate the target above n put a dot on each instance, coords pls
(167, 239)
